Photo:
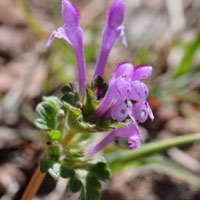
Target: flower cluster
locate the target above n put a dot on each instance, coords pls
(124, 88)
(126, 96)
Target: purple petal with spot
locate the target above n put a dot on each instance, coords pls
(124, 69)
(140, 112)
(142, 72)
(120, 111)
(139, 91)
(123, 87)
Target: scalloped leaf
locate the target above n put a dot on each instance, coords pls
(45, 165)
(54, 171)
(66, 172)
(54, 135)
(74, 184)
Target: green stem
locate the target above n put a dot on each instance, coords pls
(38, 177)
(31, 20)
(151, 148)
(34, 184)
(67, 138)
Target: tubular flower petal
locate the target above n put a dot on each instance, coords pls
(111, 34)
(107, 140)
(73, 34)
(130, 132)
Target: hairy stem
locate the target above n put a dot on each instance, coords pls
(38, 177)
(34, 184)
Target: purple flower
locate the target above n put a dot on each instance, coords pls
(72, 33)
(111, 34)
(131, 132)
(124, 87)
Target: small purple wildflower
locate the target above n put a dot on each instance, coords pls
(73, 34)
(111, 34)
(124, 87)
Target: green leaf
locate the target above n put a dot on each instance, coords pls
(71, 95)
(45, 110)
(75, 121)
(54, 135)
(49, 113)
(100, 171)
(66, 89)
(41, 124)
(98, 168)
(66, 172)
(45, 164)
(187, 62)
(74, 110)
(75, 185)
(76, 97)
(97, 159)
(69, 98)
(54, 101)
(54, 152)
(54, 171)
(90, 189)
(93, 182)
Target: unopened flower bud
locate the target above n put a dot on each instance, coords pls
(61, 113)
